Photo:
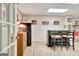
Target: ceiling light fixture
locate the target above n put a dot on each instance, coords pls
(57, 10)
(73, 3)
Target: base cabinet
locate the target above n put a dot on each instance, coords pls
(21, 43)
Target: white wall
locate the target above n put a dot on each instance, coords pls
(39, 31)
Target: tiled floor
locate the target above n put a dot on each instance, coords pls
(41, 49)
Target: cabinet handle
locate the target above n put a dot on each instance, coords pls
(17, 37)
(11, 37)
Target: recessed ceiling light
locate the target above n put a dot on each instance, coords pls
(73, 3)
(57, 10)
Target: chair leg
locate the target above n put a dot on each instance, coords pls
(54, 44)
(61, 43)
(73, 44)
(67, 43)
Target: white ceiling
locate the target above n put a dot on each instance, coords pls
(42, 8)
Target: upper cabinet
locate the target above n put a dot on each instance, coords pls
(8, 12)
(4, 12)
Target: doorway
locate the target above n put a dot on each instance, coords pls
(29, 40)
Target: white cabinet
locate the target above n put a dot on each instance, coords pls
(8, 13)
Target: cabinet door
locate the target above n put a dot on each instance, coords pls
(4, 7)
(12, 30)
(12, 39)
(24, 43)
(4, 36)
(20, 45)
